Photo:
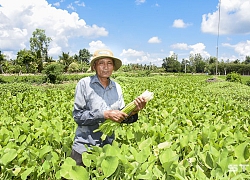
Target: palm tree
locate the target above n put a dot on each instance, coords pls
(66, 60)
(2, 60)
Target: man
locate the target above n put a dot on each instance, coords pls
(98, 98)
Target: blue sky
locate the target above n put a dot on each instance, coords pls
(137, 31)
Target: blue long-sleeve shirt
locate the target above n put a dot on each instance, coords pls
(91, 100)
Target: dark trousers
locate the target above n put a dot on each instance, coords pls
(77, 157)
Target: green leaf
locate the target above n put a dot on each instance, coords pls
(70, 170)
(45, 149)
(55, 157)
(78, 172)
(224, 163)
(69, 162)
(173, 126)
(184, 141)
(25, 127)
(88, 158)
(165, 144)
(22, 138)
(46, 166)
(130, 135)
(16, 170)
(142, 155)
(209, 160)
(20, 160)
(168, 155)
(66, 168)
(145, 143)
(8, 156)
(109, 165)
(26, 173)
(28, 139)
(164, 114)
(240, 151)
(133, 151)
(147, 175)
(157, 172)
(214, 151)
(16, 133)
(86, 162)
(110, 150)
(200, 173)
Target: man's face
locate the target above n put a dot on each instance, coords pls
(104, 67)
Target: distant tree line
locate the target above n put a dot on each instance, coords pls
(197, 64)
(36, 59)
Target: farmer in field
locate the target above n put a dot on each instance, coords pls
(98, 98)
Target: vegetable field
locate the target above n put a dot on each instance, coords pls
(192, 129)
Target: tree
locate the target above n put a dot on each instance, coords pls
(212, 60)
(39, 44)
(198, 63)
(171, 64)
(66, 60)
(2, 59)
(25, 57)
(237, 61)
(247, 60)
(84, 56)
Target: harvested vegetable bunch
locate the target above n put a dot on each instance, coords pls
(109, 126)
(128, 109)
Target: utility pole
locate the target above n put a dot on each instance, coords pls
(185, 66)
(217, 49)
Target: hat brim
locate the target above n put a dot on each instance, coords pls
(117, 62)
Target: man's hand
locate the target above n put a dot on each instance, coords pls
(115, 115)
(140, 104)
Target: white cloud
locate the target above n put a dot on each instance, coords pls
(171, 53)
(133, 56)
(154, 40)
(179, 23)
(198, 48)
(132, 52)
(234, 14)
(55, 49)
(70, 6)
(57, 4)
(182, 46)
(138, 2)
(78, 3)
(130, 55)
(9, 55)
(242, 48)
(19, 19)
(95, 45)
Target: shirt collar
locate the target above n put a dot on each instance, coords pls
(96, 80)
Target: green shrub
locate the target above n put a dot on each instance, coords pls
(248, 83)
(2, 80)
(53, 72)
(233, 77)
(73, 67)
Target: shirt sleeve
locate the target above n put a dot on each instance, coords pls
(81, 115)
